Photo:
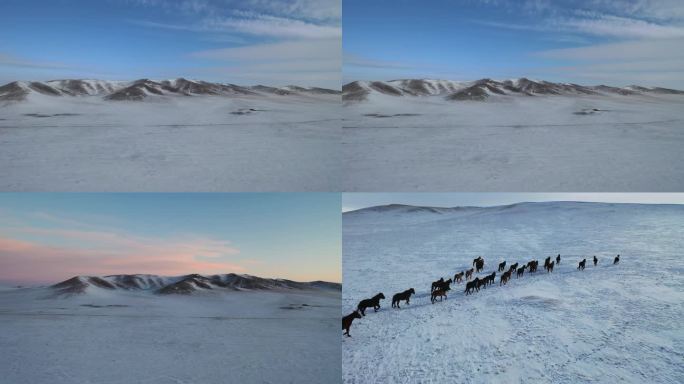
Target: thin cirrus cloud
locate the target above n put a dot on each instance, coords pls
(40, 255)
(272, 42)
(267, 25)
(282, 63)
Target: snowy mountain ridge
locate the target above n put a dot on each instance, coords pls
(185, 284)
(141, 89)
(481, 90)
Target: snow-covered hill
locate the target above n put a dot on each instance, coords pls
(121, 330)
(482, 89)
(606, 324)
(177, 135)
(416, 136)
(185, 284)
(144, 88)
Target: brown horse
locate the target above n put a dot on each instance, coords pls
(440, 292)
(476, 260)
(549, 268)
(459, 276)
(469, 273)
(347, 321)
(505, 277)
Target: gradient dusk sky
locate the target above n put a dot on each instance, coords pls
(615, 42)
(273, 42)
(46, 238)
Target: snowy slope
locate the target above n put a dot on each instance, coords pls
(264, 142)
(606, 324)
(547, 142)
(483, 89)
(112, 336)
(143, 89)
(185, 284)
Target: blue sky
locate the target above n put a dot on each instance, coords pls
(239, 41)
(353, 201)
(616, 42)
(48, 237)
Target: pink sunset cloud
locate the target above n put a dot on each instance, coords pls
(104, 253)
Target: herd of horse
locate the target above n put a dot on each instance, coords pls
(439, 288)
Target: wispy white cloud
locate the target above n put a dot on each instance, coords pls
(10, 60)
(298, 40)
(608, 25)
(626, 50)
(644, 62)
(351, 59)
(266, 25)
(330, 10)
(297, 61)
(285, 50)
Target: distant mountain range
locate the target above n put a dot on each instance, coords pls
(185, 284)
(141, 89)
(481, 90)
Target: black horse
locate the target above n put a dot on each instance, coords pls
(617, 259)
(502, 265)
(532, 265)
(549, 268)
(471, 285)
(347, 321)
(441, 284)
(546, 262)
(459, 276)
(436, 284)
(469, 273)
(479, 266)
(521, 271)
(513, 267)
(490, 278)
(595, 260)
(476, 260)
(582, 264)
(368, 303)
(558, 259)
(406, 296)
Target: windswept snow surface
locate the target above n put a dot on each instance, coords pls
(521, 143)
(607, 324)
(193, 143)
(113, 337)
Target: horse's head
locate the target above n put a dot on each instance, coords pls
(380, 296)
(412, 291)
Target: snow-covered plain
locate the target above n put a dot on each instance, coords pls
(109, 337)
(197, 143)
(538, 143)
(607, 324)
